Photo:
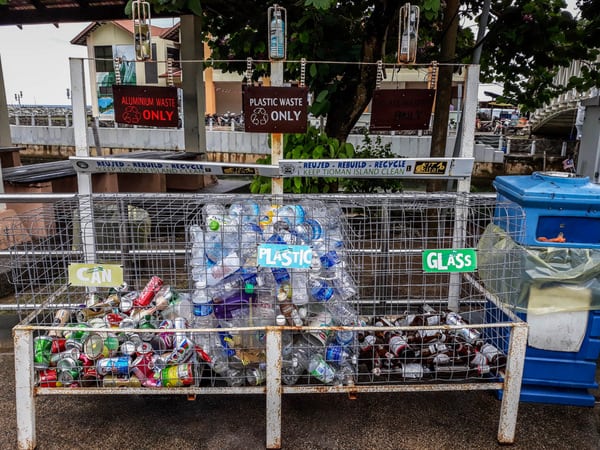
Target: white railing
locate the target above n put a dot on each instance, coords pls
(566, 100)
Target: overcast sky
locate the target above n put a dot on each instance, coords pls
(35, 61)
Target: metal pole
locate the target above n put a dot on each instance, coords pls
(25, 401)
(512, 384)
(485, 14)
(276, 138)
(464, 185)
(273, 387)
(84, 180)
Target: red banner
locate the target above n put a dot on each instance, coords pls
(401, 109)
(146, 105)
(275, 109)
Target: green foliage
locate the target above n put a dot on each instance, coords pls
(310, 145)
(525, 44)
(370, 149)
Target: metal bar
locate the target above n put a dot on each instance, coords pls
(459, 232)
(512, 384)
(443, 168)
(408, 387)
(273, 387)
(25, 402)
(84, 181)
(177, 167)
(250, 390)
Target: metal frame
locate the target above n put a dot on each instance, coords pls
(274, 389)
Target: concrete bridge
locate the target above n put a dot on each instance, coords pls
(559, 117)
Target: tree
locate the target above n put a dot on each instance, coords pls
(527, 41)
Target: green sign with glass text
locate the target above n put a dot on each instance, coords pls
(454, 260)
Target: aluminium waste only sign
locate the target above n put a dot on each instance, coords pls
(154, 106)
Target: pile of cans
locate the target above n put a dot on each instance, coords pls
(125, 354)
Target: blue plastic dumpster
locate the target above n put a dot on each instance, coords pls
(563, 347)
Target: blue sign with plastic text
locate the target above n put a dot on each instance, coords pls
(284, 256)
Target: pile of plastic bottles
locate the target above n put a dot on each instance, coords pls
(233, 289)
(203, 332)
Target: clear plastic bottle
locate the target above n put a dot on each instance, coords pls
(213, 215)
(338, 355)
(292, 215)
(295, 365)
(284, 293)
(341, 311)
(320, 369)
(299, 291)
(203, 318)
(248, 211)
(250, 238)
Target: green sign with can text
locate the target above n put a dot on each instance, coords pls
(454, 260)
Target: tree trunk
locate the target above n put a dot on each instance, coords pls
(439, 134)
(352, 96)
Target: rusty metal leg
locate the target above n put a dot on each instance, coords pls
(273, 388)
(23, 342)
(512, 384)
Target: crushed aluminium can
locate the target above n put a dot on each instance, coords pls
(42, 350)
(177, 375)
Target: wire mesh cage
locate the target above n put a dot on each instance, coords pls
(177, 290)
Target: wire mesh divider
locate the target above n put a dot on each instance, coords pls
(260, 294)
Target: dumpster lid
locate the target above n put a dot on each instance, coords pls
(544, 186)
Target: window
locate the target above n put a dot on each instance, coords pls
(151, 68)
(104, 58)
(174, 54)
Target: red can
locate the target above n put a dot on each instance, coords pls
(86, 361)
(113, 320)
(58, 345)
(90, 378)
(46, 378)
(148, 292)
(142, 366)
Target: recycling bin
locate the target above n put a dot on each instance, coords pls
(557, 243)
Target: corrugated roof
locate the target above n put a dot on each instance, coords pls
(28, 12)
(126, 25)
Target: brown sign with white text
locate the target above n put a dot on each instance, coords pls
(275, 109)
(153, 106)
(401, 109)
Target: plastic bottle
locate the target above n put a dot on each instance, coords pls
(296, 365)
(264, 306)
(248, 211)
(284, 296)
(291, 215)
(277, 36)
(203, 317)
(213, 215)
(178, 307)
(342, 313)
(338, 355)
(320, 369)
(250, 238)
(299, 287)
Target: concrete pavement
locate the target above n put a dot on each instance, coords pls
(445, 420)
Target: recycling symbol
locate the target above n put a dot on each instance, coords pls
(132, 114)
(259, 117)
